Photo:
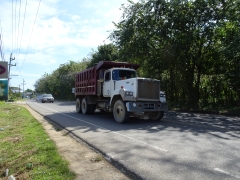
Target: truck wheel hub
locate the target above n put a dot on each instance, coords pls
(119, 111)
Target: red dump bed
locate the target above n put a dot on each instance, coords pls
(86, 81)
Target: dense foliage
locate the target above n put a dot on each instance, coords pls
(61, 81)
(191, 46)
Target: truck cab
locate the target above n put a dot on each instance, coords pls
(115, 77)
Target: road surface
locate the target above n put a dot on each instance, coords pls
(182, 146)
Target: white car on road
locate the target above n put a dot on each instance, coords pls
(45, 98)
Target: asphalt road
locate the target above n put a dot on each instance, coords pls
(182, 146)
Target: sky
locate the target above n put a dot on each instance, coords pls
(43, 34)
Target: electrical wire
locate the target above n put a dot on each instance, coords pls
(16, 37)
(19, 17)
(15, 30)
(1, 43)
(12, 25)
(31, 35)
(1, 51)
(20, 42)
(23, 26)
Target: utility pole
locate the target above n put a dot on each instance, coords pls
(23, 87)
(10, 64)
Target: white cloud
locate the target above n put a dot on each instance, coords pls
(75, 18)
(62, 31)
(38, 58)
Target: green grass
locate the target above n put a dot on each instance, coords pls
(26, 149)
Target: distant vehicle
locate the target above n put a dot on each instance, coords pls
(39, 98)
(45, 98)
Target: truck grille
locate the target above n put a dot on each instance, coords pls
(148, 89)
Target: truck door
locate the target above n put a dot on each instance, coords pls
(107, 84)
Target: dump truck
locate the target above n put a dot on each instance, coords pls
(114, 87)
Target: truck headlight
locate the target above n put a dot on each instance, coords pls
(128, 93)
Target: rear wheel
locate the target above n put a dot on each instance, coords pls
(120, 112)
(78, 106)
(85, 107)
(156, 116)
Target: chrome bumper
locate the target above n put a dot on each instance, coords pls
(146, 106)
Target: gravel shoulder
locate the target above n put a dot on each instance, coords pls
(86, 163)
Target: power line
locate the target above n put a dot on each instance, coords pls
(12, 25)
(1, 51)
(1, 43)
(19, 17)
(15, 37)
(20, 43)
(17, 32)
(31, 35)
(22, 27)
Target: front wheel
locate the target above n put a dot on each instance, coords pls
(120, 112)
(156, 116)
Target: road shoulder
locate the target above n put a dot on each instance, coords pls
(83, 161)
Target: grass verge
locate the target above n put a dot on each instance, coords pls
(25, 148)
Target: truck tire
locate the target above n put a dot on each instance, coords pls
(120, 112)
(78, 105)
(156, 116)
(86, 108)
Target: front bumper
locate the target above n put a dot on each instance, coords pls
(137, 107)
(48, 100)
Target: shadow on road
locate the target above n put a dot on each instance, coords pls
(173, 121)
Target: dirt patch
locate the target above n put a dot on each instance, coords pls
(84, 161)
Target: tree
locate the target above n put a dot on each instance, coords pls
(61, 81)
(176, 41)
(106, 52)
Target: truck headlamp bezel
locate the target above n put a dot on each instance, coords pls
(128, 93)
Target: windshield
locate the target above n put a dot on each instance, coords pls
(123, 74)
(47, 95)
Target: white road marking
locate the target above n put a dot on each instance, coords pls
(227, 173)
(141, 142)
